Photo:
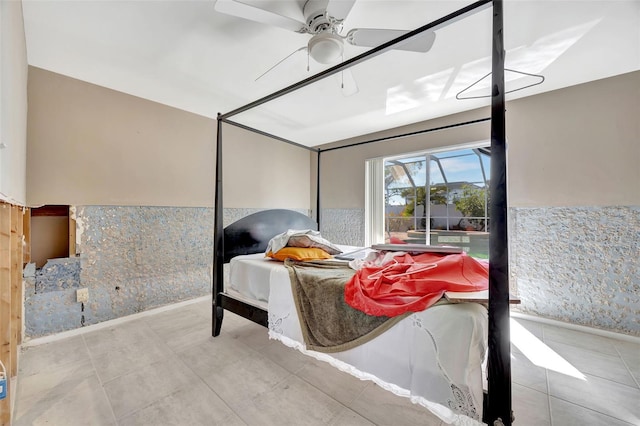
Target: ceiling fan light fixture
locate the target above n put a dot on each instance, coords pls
(326, 47)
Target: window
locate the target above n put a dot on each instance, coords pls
(437, 197)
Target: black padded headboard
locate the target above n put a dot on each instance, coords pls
(252, 233)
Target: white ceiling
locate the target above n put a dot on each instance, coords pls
(187, 55)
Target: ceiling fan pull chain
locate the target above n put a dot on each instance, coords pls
(342, 74)
(308, 54)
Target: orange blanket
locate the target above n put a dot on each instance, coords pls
(412, 283)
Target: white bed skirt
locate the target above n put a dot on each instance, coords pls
(433, 357)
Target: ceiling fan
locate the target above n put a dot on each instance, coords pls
(323, 20)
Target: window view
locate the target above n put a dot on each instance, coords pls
(439, 199)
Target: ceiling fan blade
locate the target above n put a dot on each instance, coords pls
(252, 13)
(372, 37)
(280, 61)
(339, 9)
(348, 83)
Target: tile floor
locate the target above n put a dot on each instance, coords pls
(165, 369)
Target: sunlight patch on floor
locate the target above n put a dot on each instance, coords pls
(539, 353)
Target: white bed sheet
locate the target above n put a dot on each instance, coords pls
(250, 275)
(433, 357)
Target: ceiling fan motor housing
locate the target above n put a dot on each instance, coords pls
(326, 47)
(315, 16)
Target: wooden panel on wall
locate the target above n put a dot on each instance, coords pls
(26, 236)
(5, 304)
(12, 255)
(72, 236)
(16, 286)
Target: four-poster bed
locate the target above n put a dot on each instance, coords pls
(251, 234)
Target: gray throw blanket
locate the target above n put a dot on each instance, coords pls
(328, 323)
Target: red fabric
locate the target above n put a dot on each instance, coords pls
(396, 240)
(413, 283)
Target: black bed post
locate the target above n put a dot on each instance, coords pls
(499, 362)
(218, 241)
(318, 191)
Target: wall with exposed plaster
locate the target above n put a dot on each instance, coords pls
(130, 259)
(136, 258)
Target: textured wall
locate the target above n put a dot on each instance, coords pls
(340, 226)
(136, 258)
(578, 264)
(231, 215)
(58, 274)
(343, 226)
(50, 297)
(131, 259)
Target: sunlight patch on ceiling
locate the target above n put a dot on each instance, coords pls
(546, 50)
(408, 96)
(446, 84)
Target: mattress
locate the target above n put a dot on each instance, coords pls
(433, 357)
(251, 274)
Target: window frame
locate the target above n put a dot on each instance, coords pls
(375, 191)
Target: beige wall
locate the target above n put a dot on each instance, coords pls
(343, 171)
(577, 146)
(89, 145)
(13, 104)
(262, 172)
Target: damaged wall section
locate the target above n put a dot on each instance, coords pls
(50, 295)
(131, 259)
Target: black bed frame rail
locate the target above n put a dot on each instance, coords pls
(246, 310)
(497, 405)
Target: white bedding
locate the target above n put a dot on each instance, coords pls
(434, 356)
(250, 275)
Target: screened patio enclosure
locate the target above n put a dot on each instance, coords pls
(439, 198)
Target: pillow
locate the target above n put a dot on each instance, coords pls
(299, 253)
(310, 240)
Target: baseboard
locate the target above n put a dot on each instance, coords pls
(577, 327)
(110, 323)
